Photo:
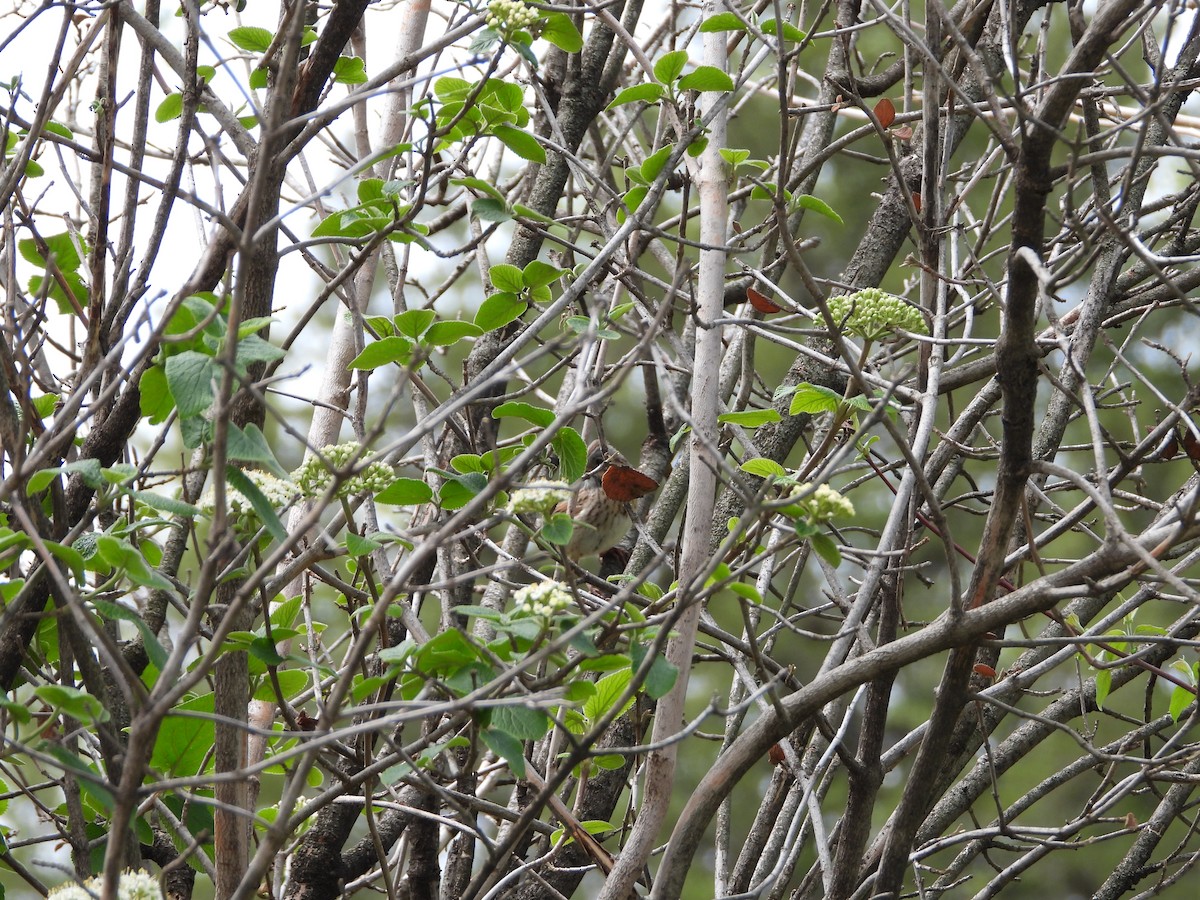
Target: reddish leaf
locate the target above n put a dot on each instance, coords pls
(885, 112)
(1191, 443)
(1168, 449)
(985, 670)
(917, 201)
(775, 754)
(762, 302)
(624, 483)
(903, 133)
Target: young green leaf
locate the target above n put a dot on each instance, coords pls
(670, 66)
(498, 310)
(648, 92)
(706, 78)
(808, 201)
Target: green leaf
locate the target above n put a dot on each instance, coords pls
(455, 493)
(522, 143)
(478, 184)
(383, 352)
(499, 310)
(41, 479)
(751, 418)
(559, 30)
(572, 454)
(647, 91)
(1103, 686)
(184, 741)
(633, 199)
(349, 70)
(532, 214)
(380, 326)
(89, 469)
(369, 189)
(522, 722)
(357, 545)
(706, 78)
(405, 492)
(491, 210)
(291, 683)
(507, 748)
(121, 554)
(734, 157)
(91, 785)
(445, 652)
(507, 278)
(249, 444)
(190, 376)
(507, 94)
(745, 591)
(557, 529)
(169, 505)
(450, 88)
(608, 690)
(467, 462)
(259, 503)
(813, 399)
(252, 325)
(826, 549)
(591, 826)
(45, 405)
(60, 247)
(264, 650)
(414, 322)
(583, 324)
(808, 201)
(536, 415)
(253, 349)
(69, 555)
(73, 702)
(662, 675)
(655, 163)
(790, 32)
(725, 21)
(154, 650)
(254, 40)
(763, 468)
(1181, 699)
(170, 108)
(19, 711)
(670, 65)
(538, 274)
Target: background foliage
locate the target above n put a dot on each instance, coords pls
(311, 309)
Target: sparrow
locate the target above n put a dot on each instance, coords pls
(600, 521)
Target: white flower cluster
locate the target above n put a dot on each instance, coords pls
(132, 886)
(540, 498)
(543, 598)
(824, 504)
(314, 478)
(872, 314)
(509, 15)
(279, 493)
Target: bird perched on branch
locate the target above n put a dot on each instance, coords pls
(600, 502)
